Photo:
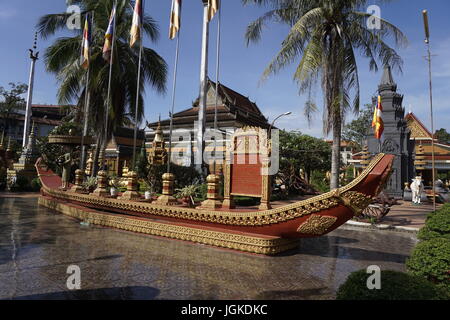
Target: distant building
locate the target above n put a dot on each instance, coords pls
(233, 111)
(45, 117)
(347, 148)
(119, 150)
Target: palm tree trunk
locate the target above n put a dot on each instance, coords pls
(336, 154)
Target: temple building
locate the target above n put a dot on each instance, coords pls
(45, 117)
(119, 150)
(406, 137)
(423, 151)
(233, 111)
(396, 138)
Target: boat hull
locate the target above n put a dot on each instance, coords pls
(274, 230)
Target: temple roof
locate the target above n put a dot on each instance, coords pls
(231, 106)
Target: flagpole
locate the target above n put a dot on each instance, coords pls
(109, 81)
(86, 103)
(141, 47)
(173, 100)
(217, 82)
(86, 119)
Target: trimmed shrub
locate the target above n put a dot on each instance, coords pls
(431, 260)
(437, 225)
(394, 286)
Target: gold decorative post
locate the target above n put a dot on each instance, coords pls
(213, 198)
(79, 176)
(167, 198)
(102, 183)
(266, 186)
(89, 165)
(228, 202)
(132, 187)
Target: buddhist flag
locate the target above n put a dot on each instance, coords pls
(109, 35)
(175, 19)
(85, 44)
(377, 122)
(136, 24)
(213, 7)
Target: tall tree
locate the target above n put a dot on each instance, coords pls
(357, 130)
(324, 38)
(63, 56)
(11, 101)
(443, 136)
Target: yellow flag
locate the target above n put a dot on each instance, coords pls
(175, 18)
(213, 7)
(136, 24)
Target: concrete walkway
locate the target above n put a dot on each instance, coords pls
(408, 215)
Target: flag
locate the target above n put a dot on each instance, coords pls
(136, 24)
(85, 44)
(213, 7)
(109, 35)
(175, 18)
(377, 121)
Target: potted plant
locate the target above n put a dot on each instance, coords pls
(187, 194)
(90, 184)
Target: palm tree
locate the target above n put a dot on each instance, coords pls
(62, 59)
(326, 36)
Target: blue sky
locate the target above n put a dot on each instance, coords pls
(242, 66)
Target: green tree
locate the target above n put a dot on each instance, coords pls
(142, 164)
(325, 37)
(357, 130)
(12, 100)
(302, 152)
(443, 136)
(62, 59)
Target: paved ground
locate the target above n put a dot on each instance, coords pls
(37, 246)
(408, 215)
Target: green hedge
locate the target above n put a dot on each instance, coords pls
(437, 225)
(431, 260)
(394, 286)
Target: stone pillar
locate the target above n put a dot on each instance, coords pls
(102, 183)
(132, 187)
(213, 198)
(79, 177)
(167, 198)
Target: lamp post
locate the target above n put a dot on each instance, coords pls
(273, 122)
(428, 58)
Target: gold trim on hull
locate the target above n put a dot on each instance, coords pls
(240, 242)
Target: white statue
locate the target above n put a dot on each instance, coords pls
(417, 189)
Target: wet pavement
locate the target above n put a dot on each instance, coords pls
(37, 246)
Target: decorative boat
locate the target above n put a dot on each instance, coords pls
(263, 232)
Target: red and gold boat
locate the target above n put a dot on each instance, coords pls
(261, 231)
